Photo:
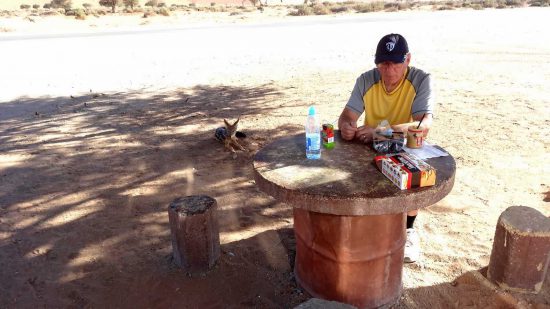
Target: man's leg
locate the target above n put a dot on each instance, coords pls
(412, 245)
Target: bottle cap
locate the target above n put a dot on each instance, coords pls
(311, 111)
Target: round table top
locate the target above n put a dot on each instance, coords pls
(345, 181)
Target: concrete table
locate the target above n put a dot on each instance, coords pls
(349, 220)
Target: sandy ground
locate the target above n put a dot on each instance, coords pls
(100, 129)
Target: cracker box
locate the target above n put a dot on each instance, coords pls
(406, 170)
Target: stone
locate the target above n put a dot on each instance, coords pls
(195, 233)
(521, 250)
(316, 303)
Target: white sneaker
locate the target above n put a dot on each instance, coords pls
(412, 246)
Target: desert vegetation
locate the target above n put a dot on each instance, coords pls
(309, 7)
(314, 8)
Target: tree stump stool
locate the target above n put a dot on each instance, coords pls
(521, 250)
(195, 234)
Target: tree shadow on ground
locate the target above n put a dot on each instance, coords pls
(250, 273)
(473, 290)
(85, 182)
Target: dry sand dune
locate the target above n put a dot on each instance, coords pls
(85, 177)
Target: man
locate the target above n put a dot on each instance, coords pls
(395, 92)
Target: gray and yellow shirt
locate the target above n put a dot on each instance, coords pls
(412, 96)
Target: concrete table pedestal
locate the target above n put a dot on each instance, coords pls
(361, 257)
(349, 220)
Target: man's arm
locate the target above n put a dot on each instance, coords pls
(426, 123)
(347, 123)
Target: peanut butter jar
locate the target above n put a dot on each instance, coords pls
(415, 137)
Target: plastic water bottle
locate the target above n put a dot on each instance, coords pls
(313, 135)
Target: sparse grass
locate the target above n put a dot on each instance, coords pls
(312, 7)
(164, 11)
(403, 6)
(369, 7)
(79, 14)
(303, 10)
(320, 9)
(339, 9)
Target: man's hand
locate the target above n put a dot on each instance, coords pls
(426, 123)
(347, 123)
(348, 130)
(364, 134)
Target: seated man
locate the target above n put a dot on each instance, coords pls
(395, 92)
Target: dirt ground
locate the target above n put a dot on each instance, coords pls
(86, 175)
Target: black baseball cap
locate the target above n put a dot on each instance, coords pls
(392, 47)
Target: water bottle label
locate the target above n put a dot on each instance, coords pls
(313, 143)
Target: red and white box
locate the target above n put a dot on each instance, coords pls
(406, 170)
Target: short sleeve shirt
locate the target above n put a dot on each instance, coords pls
(413, 96)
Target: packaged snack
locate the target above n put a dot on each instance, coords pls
(406, 170)
(328, 135)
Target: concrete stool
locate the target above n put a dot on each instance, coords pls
(195, 234)
(521, 250)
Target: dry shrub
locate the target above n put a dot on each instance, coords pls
(152, 3)
(148, 14)
(320, 9)
(445, 7)
(79, 14)
(303, 10)
(339, 9)
(49, 13)
(24, 6)
(477, 6)
(164, 11)
(56, 4)
(515, 3)
(369, 7)
(403, 6)
(36, 6)
(542, 3)
(5, 29)
(489, 3)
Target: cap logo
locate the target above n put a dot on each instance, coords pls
(390, 46)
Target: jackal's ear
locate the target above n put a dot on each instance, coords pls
(237, 121)
(226, 123)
